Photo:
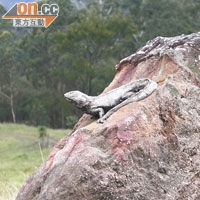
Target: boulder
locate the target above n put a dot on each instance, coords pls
(147, 150)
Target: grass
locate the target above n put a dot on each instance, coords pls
(20, 155)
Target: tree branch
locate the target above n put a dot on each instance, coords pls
(4, 95)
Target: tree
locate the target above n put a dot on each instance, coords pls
(161, 18)
(42, 135)
(78, 52)
(9, 69)
(93, 38)
(5, 25)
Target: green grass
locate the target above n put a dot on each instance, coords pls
(20, 155)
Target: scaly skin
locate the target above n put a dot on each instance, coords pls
(106, 104)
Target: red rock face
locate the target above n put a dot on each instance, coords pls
(146, 150)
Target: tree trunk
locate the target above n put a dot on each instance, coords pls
(10, 100)
(12, 108)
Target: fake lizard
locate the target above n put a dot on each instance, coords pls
(104, 105)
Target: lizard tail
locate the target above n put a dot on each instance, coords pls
(147, 91)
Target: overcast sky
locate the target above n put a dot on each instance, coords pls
(9, 3)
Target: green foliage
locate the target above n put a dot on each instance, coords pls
(92, 39)
(79, 52)
(164, 18)
(10, 71)
(71, 121)
(20, 155)
(42, 131)
(5, 25)
(43, 135)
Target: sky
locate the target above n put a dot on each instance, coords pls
(10, 3)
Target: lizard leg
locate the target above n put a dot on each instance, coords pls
(135, 97)
(111, 111)
(100, 111)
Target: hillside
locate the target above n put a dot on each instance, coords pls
(20, 155)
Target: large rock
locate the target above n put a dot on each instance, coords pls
(147, 150)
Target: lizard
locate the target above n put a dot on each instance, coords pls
(104, 105)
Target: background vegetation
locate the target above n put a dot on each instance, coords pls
(21, 153)
(79, 52)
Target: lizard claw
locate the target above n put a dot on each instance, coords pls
(101, 121)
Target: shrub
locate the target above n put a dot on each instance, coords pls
(71, 121)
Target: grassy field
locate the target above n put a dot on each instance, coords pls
(20, 155)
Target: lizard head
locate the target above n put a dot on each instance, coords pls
(76, 97)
